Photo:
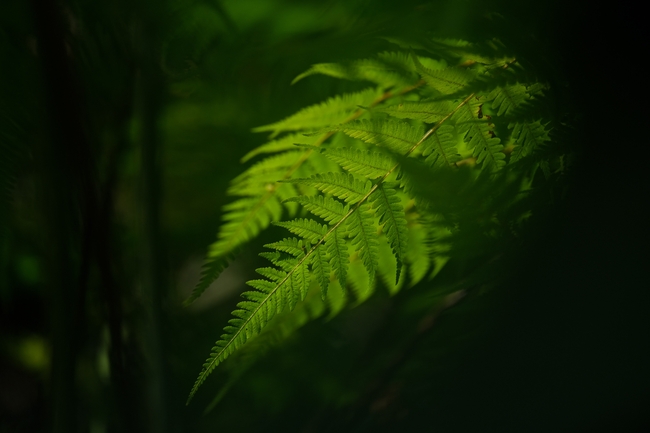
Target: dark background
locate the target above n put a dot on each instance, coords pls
(115, 163)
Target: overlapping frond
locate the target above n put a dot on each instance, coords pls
(445, 81)
(287, 142)
(440, 150)
(390, 211)
(426, 111)
(332, 111)
(479, 135)
(509, 99)
(368, 164)
(528, 136)
(341, 185)
(397, 136)
(389, 69)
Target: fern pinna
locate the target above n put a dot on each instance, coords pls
(355, 210)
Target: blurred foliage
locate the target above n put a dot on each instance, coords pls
(82, 86)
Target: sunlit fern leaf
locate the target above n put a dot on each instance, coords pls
(332, 111)
(369, 164)
(283, 326)
(528, 137)
(292, 246)
(387, 70)
(341, 185)
(286, 142)
(388, 207)
(243, 220)
(368, 235)
(265, 172)
(440, 150)
(426, 111)
(305, 228)
(396, 135)
(328, 208)
(361, 226)
(339, 256)
(445, 81)
(283, 288)
(321, 267)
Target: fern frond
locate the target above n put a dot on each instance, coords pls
(361, 226)
(321, 267)
(387, 268)
(479, 136)
(362, 284)
(305, 228)
(445, 81)
(369, 164)
(512, 98)
(388, 70)
(398, 136)
(284, 289)
(334, 110)
(341, 185)
(338, 253)
(287, 142)
(210, 271)
(325, 207)
(440, 150)
(426, 111)
(390, 211)
(243, 220)
(270, 169)
(528, 137)
(293, 246)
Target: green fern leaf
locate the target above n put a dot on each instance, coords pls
(368, 164)
(362, 284)
(338, 252)
(426, 111)
(288, 142)
(397, 136)
(445, 81)
(387, 268)
(341, 185)
(479, 136)
(293, 246)
(388, 207)
(388, 70)
(440, 150)
(305, 228)
(332, 111)
(361, 227)
(321, 268)
(210, 271)
(325, 207)
(254, 180)
(285, 288)
(528, 136)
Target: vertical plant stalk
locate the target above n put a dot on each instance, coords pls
(68, 198)
(150, 89)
